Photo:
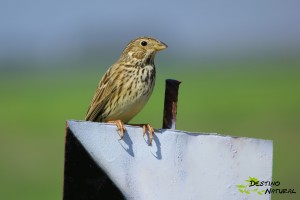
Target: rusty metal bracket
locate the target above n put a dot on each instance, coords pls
(170, 105)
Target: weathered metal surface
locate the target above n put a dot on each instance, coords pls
(83, 178)
(170, 104)
(178, 165)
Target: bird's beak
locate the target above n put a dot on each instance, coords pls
(160, 46)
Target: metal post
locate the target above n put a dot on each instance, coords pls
(170, 105)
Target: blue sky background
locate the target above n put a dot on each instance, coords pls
(80, 30)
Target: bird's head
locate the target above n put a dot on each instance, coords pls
(142, 48)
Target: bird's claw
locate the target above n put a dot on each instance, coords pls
(146, 127)
(150, 131)
(120, 126)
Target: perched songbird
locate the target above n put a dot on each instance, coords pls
(127, 85)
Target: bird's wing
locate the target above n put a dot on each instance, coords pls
(106, 89)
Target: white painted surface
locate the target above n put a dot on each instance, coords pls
(178, 165)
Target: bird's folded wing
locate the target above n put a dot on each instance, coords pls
(102, 96)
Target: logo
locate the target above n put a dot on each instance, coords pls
(246, 188)
(253, 185)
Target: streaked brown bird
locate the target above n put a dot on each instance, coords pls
(127, 85)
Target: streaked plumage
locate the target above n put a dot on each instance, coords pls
(127, 85)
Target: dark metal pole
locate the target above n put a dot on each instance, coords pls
(170, 105)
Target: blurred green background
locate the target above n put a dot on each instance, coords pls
(241, 78)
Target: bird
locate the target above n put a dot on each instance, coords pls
(127, 85)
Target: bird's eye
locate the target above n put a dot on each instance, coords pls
(144, 43)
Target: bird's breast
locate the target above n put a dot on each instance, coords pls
(136, 92)
(147, 73)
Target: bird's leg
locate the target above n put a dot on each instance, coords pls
(120, 126)
(145, 128)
